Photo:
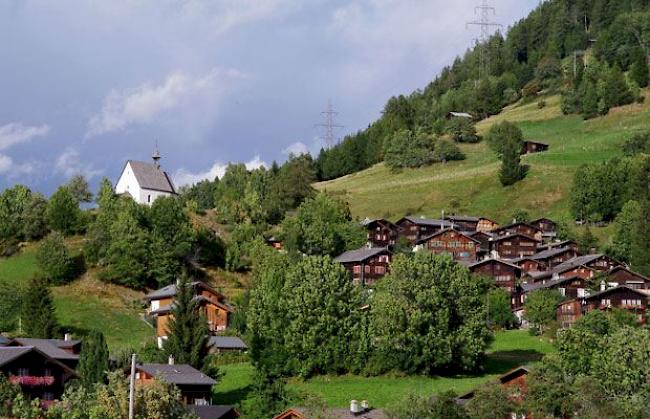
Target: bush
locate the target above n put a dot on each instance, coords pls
(541, 104)
(54, 259)
(445, 151)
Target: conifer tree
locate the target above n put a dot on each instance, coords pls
(187, 332)
(639, 71)
(640, 257)
(512, 170)
(589, 100)
(93, 361)
(38, 316)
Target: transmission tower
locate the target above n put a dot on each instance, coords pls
(483, 12)
(329, 113)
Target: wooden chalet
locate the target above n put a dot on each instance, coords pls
(415, 228)
(586, 266)
(529, 147)
(505, 274)
(213, 412)
(555, 256)
(455, 243)
(513, 245)
(38, 374)
(484, 239)
(529, 264)
(620, 275)
(521, 228)
(547, 225)
(486, 225)
(195, 387)
(513, 381)
(211, 303)
(366, 265)
(303, 413)
(275, 243)
(570, 287)
(381, 233)
(597, 262)
(65, 350)
(221, 344)
(463, 222)
(622, 297)
(569, 311)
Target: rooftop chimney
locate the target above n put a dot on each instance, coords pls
(171, 360)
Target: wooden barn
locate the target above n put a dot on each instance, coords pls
(569, 311)
(622, 297)
(506, 275)
(366, 265)
(529, 147)
(415, 228)
(521, 228)
(464, 222)
(621, 275)
(555, 256)
(381, 233)
(513, 245)
(455, 243)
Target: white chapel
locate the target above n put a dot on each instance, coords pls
(145, 182)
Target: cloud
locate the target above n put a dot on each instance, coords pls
(183, 177)
(69, 164)
(142, 104)
(5, 163)
(13, 170)
(296, 148)
(16, 133)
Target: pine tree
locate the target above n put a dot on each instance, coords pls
(93, 361)
(640, 257)
(589, 100)
(187, 332)
(511, 169)
(639, 71)
(38, 316)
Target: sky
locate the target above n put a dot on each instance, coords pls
(87, 84)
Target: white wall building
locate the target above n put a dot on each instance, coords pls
(145, 182)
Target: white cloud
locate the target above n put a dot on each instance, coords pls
(296, 148)
(12, 169)
(184, 177)
(16, 133)
(142, 104)
(5, 163)
(69, 164)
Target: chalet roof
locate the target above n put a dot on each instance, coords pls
(643, 293)
(431, 222)
(360, 255)
(563, 243)
(465, 218)
(514, 234)
(447, 230)
(333, 414)
(151, 177)
(3, 340)
(549, 253)
(534, 142)
(50, 347)
(515, 224)
(213, 412)
(542, 219)
(577, 261)
(171, 290)
(501, 261)
(200, 298)
(367, 221)
(10, 353)
(227, 342)
(548, 284)
(503, 379)
(623, 268)
(182, 374)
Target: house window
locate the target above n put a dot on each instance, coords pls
(380, 270)
(367, 269)
(148, 198)
(357, 269)
(48, 396)
(200, 402)
(23, 372)
(606, 302)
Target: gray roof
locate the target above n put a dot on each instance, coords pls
(462, 218)
(9, 353)
(505, 262)
(227, 342)
(562, 243)
(429, 221)
(644, 293)
(151, 177)
(576, 261)
(549, 284)
(182, 374)
(437, 233)
(171, 290)
(460, 114)
(3, 340)
(213, 412)
(359, 255)
(341, 413)
(50, 347)
(549, 253)
(511, 235)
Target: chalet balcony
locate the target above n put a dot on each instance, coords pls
(32, 380)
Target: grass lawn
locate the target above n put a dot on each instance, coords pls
(18, 269)
(510, 349)
(472, 186)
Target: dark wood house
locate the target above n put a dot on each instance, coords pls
(486, 225)
(484, 239)
(621, 275)
(569, 311)
(506, 275)
(414, 228)
(463, 222)
(598, 262)
(513, 245)
(570, 287)
(529, 264)
(556, 244)
(455, 243)
(65, 350)
(38, 374)
(513, 381)
(622, 297)
(521, 228)
(529, 147)
(381, 233)
(366, 265)
(545, 224)
(555, 256)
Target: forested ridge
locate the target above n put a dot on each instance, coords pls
(545, 52)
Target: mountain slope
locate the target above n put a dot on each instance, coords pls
(472, 186)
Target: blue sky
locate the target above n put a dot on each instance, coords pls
(86, 85)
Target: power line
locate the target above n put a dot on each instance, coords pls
(486, 25)
(329, 113)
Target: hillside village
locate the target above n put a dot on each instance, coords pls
(482, 250)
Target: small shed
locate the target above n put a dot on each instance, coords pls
(466, 115)
(529, 147)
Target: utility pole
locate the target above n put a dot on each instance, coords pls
(132, 389)
(329, 113)
(483, 12)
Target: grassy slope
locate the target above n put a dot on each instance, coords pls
(510, 349)
(86, 303)
(473, 184)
